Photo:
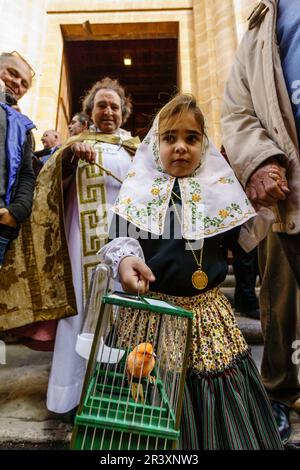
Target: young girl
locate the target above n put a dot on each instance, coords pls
(178, 179)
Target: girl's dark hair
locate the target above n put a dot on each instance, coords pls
(179, 105)
(108, 84)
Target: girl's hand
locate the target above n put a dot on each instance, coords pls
(135, 275)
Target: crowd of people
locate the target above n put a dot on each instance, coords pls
(54, 230)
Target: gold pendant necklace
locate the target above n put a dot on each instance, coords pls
(199, 277)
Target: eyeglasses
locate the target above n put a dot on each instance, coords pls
(19, 56)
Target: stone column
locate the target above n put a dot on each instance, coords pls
(215, 44)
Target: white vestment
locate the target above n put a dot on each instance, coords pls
(68, 368)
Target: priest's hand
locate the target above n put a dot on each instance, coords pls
(135, 275)
(71, 155)
(83, 151)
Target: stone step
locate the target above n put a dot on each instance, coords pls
(229, 281)
(25, 421)
(251, 329)
(228, 291)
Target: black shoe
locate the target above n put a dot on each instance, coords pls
(281, 414)
(254, 313)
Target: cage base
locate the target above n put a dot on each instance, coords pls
(91, 438)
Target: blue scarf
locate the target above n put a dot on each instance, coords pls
(17, 127)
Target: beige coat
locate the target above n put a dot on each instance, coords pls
(257, 117)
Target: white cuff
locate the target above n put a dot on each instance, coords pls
(113, 253)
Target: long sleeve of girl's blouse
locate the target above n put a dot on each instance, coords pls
(113, 253)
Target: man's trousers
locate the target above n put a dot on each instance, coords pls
(280, 318)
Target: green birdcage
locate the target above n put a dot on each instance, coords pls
(121, 409)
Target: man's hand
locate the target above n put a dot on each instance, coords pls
(72, 154)
(84, 152)
(135, 275)
(7, 218)
(267, 185)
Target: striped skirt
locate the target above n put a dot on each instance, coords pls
(225, 405)
(228, 411)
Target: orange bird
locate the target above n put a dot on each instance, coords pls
(140, 363)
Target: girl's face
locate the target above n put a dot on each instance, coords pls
(181, 146)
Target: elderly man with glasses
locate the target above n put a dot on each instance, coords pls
(16, 175)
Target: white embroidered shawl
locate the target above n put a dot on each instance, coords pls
(213, 201)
